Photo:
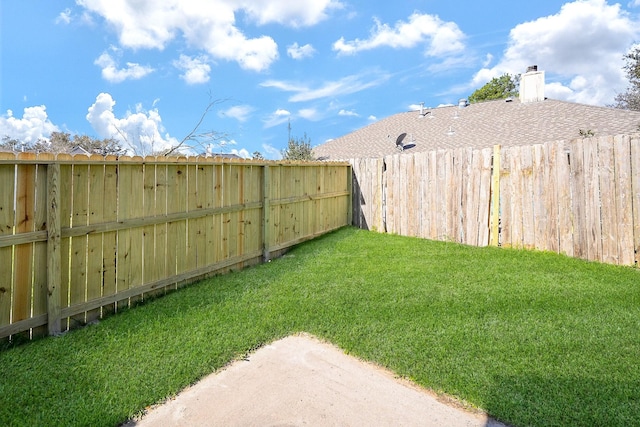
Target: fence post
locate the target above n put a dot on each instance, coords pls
(54, 272)
(495, 197)
(265, 213)
(350, 179)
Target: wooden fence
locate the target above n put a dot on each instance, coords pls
(81, 237)
(580, 198)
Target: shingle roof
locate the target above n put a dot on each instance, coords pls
(480, 125)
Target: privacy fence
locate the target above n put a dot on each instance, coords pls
(580, 198)
(81, 237)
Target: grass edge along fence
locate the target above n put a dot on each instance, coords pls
(580, 198)
(83, 236)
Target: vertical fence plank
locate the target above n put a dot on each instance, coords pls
(95, 258)
(494, 231)
(54, 255)
(23, 255)
(123, 267)
(564, 157)
(635, 194)
(578, 199)
(413, 201)
(421, 165)
(473, 194)
(7, 221)
(516, 208)
(191, 259)
(432, 176)
(266, 212)
(109, 238)
(465, 194)
(233, 183)
(66, 204)
(375, 200)
(551, 195)
(161, 228)
(393, 201)
(484, 197)
(253, 228)
(204, 195)
(80, 214)
(355, 192)
(447, 203)
(136, 235)
(540, 214)
(241, 216)
(148, 211)
(624, 210)
(153, 249)
(276, 216)
(592, 200)
(177, 202)
(608, 204)
(506, 198)
(455, 205)
(442, 195)
(39, 302)
(526, 192)
(206, 192)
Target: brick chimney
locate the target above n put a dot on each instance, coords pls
(532, 85)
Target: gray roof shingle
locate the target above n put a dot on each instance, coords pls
(480, 125)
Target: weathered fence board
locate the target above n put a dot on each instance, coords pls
(565, 217)
(635, 194)
(580, 198)
(624, 205)
(128, 228)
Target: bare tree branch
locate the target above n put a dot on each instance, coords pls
(197, 137)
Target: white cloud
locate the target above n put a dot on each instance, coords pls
(276, 118)
(209, 26)
(64, 17)
(297, 13)
(348, 113)
(243, 152)
(196, 70)
(300, 52)
(33, 125)
(372, 118)
(141, 132)
(634, 3)
(440, 37)
(487, 60)
(580, 48)
(346, 85)
(239, 112)
(308, 113)
(111, 73)
(271, 152)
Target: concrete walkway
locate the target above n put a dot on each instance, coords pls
(300, 381)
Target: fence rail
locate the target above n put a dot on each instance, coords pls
(580, 198)
(81, 237)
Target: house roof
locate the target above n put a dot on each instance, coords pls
(480, 125)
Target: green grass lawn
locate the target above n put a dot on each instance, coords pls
(532, 338)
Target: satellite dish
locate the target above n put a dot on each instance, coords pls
(399, 139)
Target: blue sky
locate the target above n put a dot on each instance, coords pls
(144, 71)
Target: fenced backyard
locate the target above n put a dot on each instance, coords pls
(580, 198)
(81, 237)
